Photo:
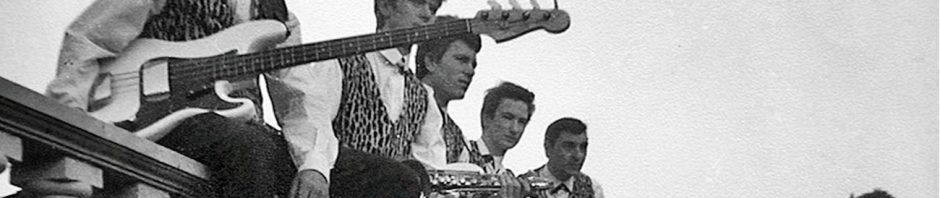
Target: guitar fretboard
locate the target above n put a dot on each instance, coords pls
(227, 66)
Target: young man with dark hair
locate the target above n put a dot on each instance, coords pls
(566, 147)
(506, 111)
(356, 118)
(446, 65)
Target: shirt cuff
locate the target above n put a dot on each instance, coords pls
(316, 163)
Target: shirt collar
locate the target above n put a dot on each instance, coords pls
(544, 172)
(497, 160)
(482, 147)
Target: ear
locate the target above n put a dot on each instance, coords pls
(430, 64)
(547, 149)
(483, 121)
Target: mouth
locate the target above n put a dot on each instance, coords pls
(574, 168)
(510, 140)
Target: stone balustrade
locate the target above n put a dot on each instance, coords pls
(57, 151)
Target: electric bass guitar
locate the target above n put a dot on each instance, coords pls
(157, 84)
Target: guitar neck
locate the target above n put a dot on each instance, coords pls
(222, 67)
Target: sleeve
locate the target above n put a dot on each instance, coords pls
(102, 31)
(598, 191)
(305, 100)
(293, 27)
(429, 146)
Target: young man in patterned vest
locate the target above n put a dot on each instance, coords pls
(506, 111)
(446, 65)
(247, 159)
(357, 117)
(504, 116)
(566, 147)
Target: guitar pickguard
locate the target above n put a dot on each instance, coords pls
(155, 84)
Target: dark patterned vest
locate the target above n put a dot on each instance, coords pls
(362, 122)
(476, 157)
(582, 187)
(453, 138)
(185, 20)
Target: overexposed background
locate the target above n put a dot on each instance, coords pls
(734, 98)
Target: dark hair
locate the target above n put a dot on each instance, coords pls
(567, 125)
(433, 5)
(878, 193)
(506, 90)
(435, 49)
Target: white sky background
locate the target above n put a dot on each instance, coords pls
(708, 98)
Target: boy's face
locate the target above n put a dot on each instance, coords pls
(451, 75)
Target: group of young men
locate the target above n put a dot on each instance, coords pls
(354, 126)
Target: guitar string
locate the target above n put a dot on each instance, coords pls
(266, 60)
(197, 71)
(326, 44)
(266, 56)
(134, 75)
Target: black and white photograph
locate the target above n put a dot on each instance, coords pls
(469, 98)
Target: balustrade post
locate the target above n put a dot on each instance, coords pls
(138, 190)
(10, 147)
(55, 175)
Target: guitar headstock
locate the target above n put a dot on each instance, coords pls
(504, 25)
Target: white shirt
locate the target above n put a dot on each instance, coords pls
(497, 165)
(544, 172)
(307, 117)
(495, 168)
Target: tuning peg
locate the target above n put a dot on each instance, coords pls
(535, 4)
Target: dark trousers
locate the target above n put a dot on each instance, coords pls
(246, 160)
(360, 174)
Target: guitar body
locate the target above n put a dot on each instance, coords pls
(154, 85)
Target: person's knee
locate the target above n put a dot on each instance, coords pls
(373, 176)
(249, 135)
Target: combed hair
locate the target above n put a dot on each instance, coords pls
(563, 125)
(435, 49)
(506, 90)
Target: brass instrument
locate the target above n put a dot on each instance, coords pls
(475, 184)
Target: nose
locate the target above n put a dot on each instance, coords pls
(517, 128)
(469, 69)
(579, 155)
